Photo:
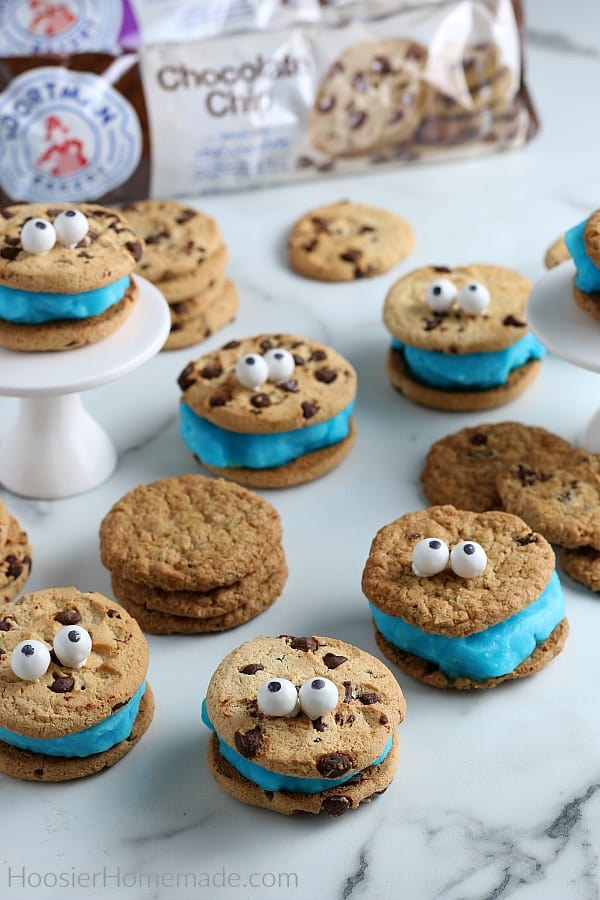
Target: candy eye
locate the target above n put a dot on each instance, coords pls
(252, 371)
(71, 226)
(429, 557)
(317, 697)
(468, 559)
(38, 236)
(278, 697)
(280, 364)
(473, 298)
(441, 294)
(30, 660)
(72, 645)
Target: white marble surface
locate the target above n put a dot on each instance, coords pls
(497, 794)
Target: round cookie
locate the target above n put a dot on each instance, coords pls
(188, 532)
(348, 740)
(109, 251)
(199, 280)
(582, 564)
(177, 237)
(67, 700)
(560, 499)
(556, 253)
(182, 310)
(346, 241)
(461, 468)
(196, 328)
(15, 562)
(68, 334)
(589, 303)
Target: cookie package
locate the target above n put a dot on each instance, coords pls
(281, 91)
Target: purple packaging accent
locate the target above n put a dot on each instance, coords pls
(129, 37)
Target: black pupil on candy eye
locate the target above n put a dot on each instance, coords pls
(40, 225)
(278, 355)
(27, 650)
(250, 361)
(274, 686)
(437, 290)
(318, 684)
(472, 287)
(469, 549)
(74, 636)
(434, 545)
(70, 213)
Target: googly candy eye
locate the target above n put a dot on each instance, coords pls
(473, 298)
(38, 236)
(318, 696)
(71, 226)
(251, 371)
(72, 645)
(278, 697)
(280, 363)
(30, 660)
(468, 559)
(441, 294)
(429, 557)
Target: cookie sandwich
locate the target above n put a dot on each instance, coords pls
(583, 243)
(73, 691)
(460, 340)
(269, 411)
(65, 275)
(303, 724)
(191, 554)
(464, 600)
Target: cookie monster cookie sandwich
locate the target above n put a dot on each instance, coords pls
(463, 599)
(64, 275)
(303, 724)
(269, 411)
(73, 692)
(460, 340)
(583, 243)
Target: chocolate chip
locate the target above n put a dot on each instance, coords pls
(38, 772)
(113, 614)
(10, 253)
(309, 409)
(325, 375)
(381, 65)
(184, 381)
(12, 241)
(415, 536)
(68, 617)
(251, 669)
(218, 400)
(14, 566)
(332, 661)
(415, 52)
(290, 386)
(336, 805)
(351, 255)
(6, 214)
(309, 246)
(356, 119)
(383, 719)
(432, 324)
(118, 706)
(396, 116)
(360, 82)
(528, 477)
(478, 439)
(61, 684)
(6, 623)
(326, 104)
(298, 360)
(135, 248)
(248, 743)
(347, 691)
(318, 356)
(365, 228)
(231, 345)
(266, 344)
(157, 237)
(512, 320)
(441, 269)
(303, 643)
(367, 698)
(211, 370)
(185, 216)
(319, 724)
(334, 765)
(85, 255)
(320, 224)
(260, 401)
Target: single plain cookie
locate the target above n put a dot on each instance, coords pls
(365, 706)
(188, 532)
(559, 498)
(15, 562)
(582, 564)
(196, 328)
(109, 251)
(461, 468)
(68, 334)
(346, 241)
(556, 253)
(178, 238)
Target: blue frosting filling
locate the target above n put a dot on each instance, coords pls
(91, 740)
(274, 781)
(219, 447)
(470, 370)
(587, 277)
(487, 654)
(31, 307)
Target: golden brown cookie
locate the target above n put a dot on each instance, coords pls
(347, 705)
(5, 518)
(556, 253)
(461, 468)
(589, 303)
(560, 498)
(15, 562)
(182, 310)
(197, 327)
(582, 564)
(200, 279)
(345, 241)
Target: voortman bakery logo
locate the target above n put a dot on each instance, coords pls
(65, 136)
(30, 27)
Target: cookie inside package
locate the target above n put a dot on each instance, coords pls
(368, 85)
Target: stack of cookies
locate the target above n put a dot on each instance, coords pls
(191, 554)
(185, 258)
(15, 559)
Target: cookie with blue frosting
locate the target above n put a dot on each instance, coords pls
(460, 339)
(269, 411)
(303, 724)
(73, 691)
(583, 243)
(464, 600)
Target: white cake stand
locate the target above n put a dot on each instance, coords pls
(55, 448)
(567, 331)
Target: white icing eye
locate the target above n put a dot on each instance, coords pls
(473, 298)
(38, 236)
(252, 371)
(30, 660)
(441, 294)
(280, 364)
(72, 645)
(317, 697)
(278, 697)
(468, 559)
(71, 226)
(429, 557)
